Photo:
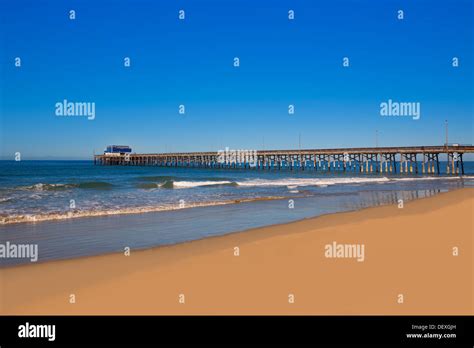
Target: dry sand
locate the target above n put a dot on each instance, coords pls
(408, 251)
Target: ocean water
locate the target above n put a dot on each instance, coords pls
(73, 208)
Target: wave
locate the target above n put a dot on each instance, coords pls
(148, 185)
(98, 185)
(5, 199)
(45, 187)
(191, 184)
(292, 183)
(156, 178)
(50, 216)
(170, 184)
(163, 178)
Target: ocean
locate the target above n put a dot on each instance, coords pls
(73, 208)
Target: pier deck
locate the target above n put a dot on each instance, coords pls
(363, 160)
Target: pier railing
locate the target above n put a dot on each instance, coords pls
(408, 159)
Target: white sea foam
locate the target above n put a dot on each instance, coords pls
(324, 182)
(293, 182)
(191, 184)
(42, 187)
(48, 216)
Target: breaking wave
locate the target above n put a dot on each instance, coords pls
(97, 185)
(291, 183)
(170, 184)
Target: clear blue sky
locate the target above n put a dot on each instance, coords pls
(190, 62)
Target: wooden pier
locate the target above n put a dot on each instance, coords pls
(410, 160)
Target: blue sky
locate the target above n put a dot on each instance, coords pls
(190, 62)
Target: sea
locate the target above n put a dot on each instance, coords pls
(72, 209)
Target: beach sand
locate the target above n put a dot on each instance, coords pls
(408, 251)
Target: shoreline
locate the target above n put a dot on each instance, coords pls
(51, 217)
(248, 230)
(159, 273)
(25, 218)
(122, 223)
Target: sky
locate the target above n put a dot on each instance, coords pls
(190, 62)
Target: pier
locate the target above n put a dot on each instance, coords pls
(408, 159)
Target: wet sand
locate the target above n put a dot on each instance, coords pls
(407, 252)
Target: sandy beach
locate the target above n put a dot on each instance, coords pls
(281, 269)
